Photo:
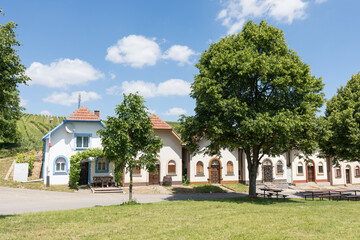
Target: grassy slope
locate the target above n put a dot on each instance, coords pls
(32, 128)
(220, 219)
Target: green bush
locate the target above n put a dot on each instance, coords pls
(31, 160)
(20, 158)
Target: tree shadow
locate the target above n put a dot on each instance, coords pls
(6, 215)
(230, 198)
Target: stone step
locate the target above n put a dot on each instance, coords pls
(107, 190)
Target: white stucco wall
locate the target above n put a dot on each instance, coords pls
(225, 156)
(282, 177)
(302, 178)
(342, 180)
(171, 150)
(64, 145)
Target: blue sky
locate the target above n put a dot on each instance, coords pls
(104, 48)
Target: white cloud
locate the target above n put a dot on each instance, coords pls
(134, 50)
(179, 53)
(138, 51)
(23, 102)
(45, 112)
(236, 12)
(62, 73)
(170, 87)
(112, 75)
(175, 111)
(65, 99)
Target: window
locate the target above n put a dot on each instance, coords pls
(230, 168)
(60, 165)
(338, 172)
(300, 169)
(199, 169)
(357, 171)
(101, 165)
(83, 141)
(321, 168)
(172, 167)
(279, 167)
(137, 170)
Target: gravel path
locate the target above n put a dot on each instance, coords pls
(15, 200)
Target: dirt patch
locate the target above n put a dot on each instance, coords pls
(156, 189)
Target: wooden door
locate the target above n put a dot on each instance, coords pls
(84, 173)
(311, 173)
(268, 173)
(154, 177)
(215, 172)
(347, 171)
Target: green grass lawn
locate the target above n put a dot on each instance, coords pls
(238, 187)
(218, 219)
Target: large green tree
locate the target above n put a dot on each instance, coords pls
(340, 128)
(255, 94)
(12, 73)
(129, 139)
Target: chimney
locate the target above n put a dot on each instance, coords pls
(97, 113)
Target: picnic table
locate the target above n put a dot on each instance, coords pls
(103, 180)
(276, 191)
(316, 193)
(348, 191)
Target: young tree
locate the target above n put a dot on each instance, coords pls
(12, 73)
(340, 136)
(129, 138)
(253, 93)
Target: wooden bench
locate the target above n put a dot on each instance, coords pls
(314, 194)
(330, 196)
(103, 180)
(354, 197)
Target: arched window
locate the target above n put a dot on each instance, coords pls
(60, 165)
(199, 169)
(357, 171)
(230, 168)
(279, 167)
(300, 169)
(172, 167)
(321, 168)
(137, 170)
(101, 165)
(338, 172)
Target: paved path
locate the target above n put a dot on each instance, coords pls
(15, 200)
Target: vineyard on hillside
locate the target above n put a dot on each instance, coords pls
(32, 128)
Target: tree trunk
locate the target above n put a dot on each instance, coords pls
(131, 185)
(253, 163)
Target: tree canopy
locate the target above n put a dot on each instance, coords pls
(12, 73)
(340, 128)
(253, 93)
(129, 138)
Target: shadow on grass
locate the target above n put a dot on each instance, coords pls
(6, 216)
(198, 189)
(229, 197)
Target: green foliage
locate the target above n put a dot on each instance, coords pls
(12, 73)
(254, 93)
(340, 128)
(31, 160)
(20, 158)
(129, 139)
(74, 173)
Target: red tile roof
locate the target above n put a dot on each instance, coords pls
(83, 113)
(158, 123)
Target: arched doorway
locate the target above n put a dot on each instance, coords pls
(267, 171)
(310, 171)
(154, 177)
(214, 171)
(348, 174)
